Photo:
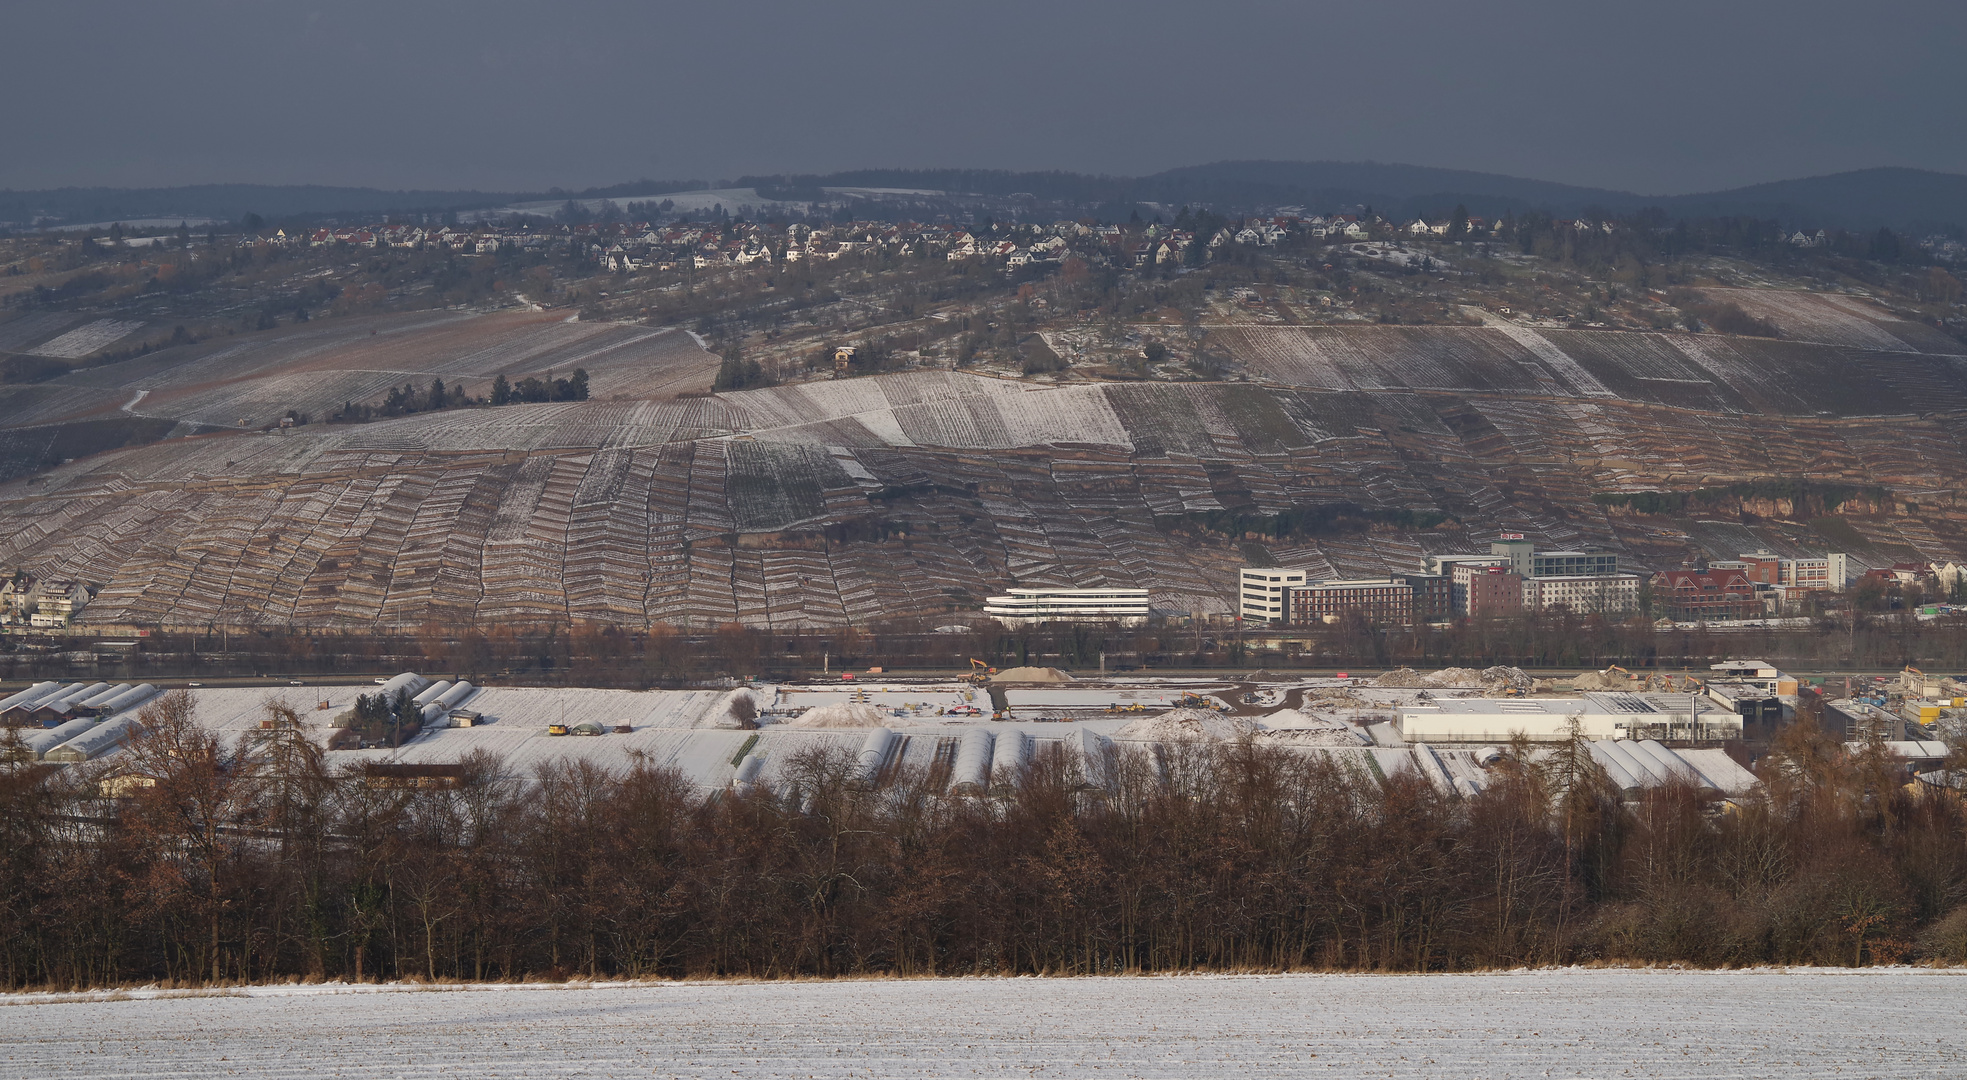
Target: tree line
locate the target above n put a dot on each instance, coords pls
(407, 400)
(606, 654)
(192, 860)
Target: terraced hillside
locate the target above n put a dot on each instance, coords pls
(1353, 450)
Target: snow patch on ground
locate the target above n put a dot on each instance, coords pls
(845, 714)
(86, 339)
(1595, 1023)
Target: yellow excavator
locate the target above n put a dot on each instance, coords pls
(980, 672)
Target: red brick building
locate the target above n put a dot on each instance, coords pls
(1705, 594)
(1381, 600)
(1494, 590)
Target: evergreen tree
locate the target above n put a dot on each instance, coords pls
(1885, 246)
(1458, 223)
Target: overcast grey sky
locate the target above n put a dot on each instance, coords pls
(1662, 98)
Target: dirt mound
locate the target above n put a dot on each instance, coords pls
(1333, 697)
(1456, 678)
(1297, 729)
(1599, 680)
(1291, 718)
(1497, 680)
(1031, 674)
(1189, 724)
(846, 714)
(1669, 683)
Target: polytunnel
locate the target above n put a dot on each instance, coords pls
(429, 693)
(128, 699)
(446, 700)
(28, 696)
(96, 701)
(873, 755)
(409, 682)
(971, 773)
(1008, 758)
(99, 740)
(38, 743)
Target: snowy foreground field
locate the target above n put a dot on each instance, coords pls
(1539, 1024)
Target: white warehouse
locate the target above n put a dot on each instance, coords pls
(1614, 715)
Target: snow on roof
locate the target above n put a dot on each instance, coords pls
(1720, 771)
(687, 730)
(231, 712)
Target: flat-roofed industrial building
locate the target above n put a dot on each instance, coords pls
(1609, 715)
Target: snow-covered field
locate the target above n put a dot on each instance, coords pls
(84, 340)
(1538, 1024)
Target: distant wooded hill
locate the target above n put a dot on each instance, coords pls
(1907, 199)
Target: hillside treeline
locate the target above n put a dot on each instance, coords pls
(257, 864)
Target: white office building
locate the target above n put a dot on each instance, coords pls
(1261, 593)
(1604, 594)
(1029, 606)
